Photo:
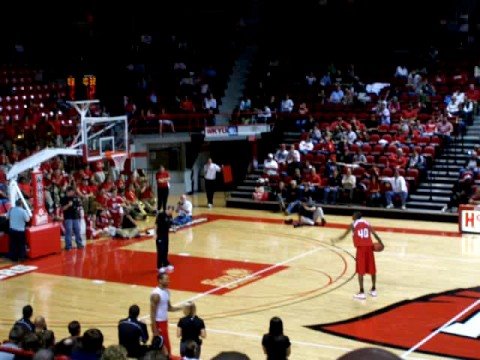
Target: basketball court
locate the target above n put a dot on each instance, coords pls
(243, 267)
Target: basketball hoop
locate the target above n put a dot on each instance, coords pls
(118, 158)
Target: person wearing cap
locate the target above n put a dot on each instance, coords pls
(270, 165)
(310, 214)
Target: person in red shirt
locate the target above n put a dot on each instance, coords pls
(365, 259)
(147, 197)
(115, 206)
(163, 186)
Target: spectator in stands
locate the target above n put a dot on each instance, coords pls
(210, 103)
(399, 187)
(265, 114)
(287, 104)
(184, 210)
(245, 104)
(310, 79)
(90, 346)
(146, 196)
(374, 194)
(293, 160)
(259, 194)
(281, 154)
(191, 328)
(15, 337)
(326, 80)
(312, 183)
(475, 198)
(133, 334)
(359, 157)
(270, 166)
(417, 161)
(4, 200)
(18, 219)
(383, 114)
(445, 129)
(349, 182)
(65, 346)
(164, 120)
(462, 191)
(306, 145)
(401, 72)
(336, 95)
(333, 184)
(115, 352)
(394, 105)
(310, 214)
(275, 344)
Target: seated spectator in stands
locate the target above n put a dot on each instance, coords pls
(394, 105)
(15, 338)
(312, 183)
(359, 157)
(163, 120)
(383, 114)
(259, 194)
(293, 160)
(147, 197)
(210, 103)
(326, 80)
(89, 346)
(475, 198)
(473, 165)
(430, 127)
(135, 207)
(245, 104)
(270, 166)
(374, 194)
(349, 182)
(333, 184)
(462, 191)
(186, 105)
(115, 205)
(310, 79)
(65, 346)
(453, 107)
(445, 129)
(399, 187)
(336, 96)
(25, 322)
(133, 334)
(264, 115)
(281, 154)
(306, 145)
(417, 161)
(401, 72)
(184, 210)
(4, 200)
(287, 104)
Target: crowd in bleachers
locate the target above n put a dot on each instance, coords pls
(367, 132)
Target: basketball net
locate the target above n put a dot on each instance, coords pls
(118, 158)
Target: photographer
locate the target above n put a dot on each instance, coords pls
(71, 207)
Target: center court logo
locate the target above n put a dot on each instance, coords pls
(402, 325)
(233, 277)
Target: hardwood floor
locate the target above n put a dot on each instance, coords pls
(242, 267)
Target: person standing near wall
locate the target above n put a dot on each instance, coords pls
(163, 187)
(210, 171)
(18, 218)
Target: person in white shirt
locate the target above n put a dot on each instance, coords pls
(349, 181)
(184, 210)
(306, 145)
(281, 154)
(287, 104)
(159, 307)
(210, 103)
(399, 187)
(264, 114)
(270, 166)
(210, 171)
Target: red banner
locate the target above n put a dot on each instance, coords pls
(40, 215)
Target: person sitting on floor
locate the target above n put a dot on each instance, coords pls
(310, 214)
(184, 209)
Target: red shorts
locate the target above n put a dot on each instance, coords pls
(365, 261)
(162, 327)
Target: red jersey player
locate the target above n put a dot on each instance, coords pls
(365, 259)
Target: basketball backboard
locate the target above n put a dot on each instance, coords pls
(103, 135)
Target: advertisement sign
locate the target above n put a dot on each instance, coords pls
(470, 221)
(40, 215)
